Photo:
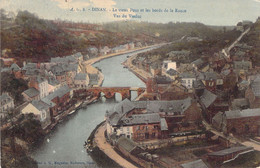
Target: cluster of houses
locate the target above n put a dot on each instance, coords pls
(146, 120)
(94, 51)
(50, 85)
(222, 85)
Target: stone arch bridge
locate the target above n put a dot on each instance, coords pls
(109, 92)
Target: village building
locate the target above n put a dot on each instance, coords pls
(81, 80)
(145, 120)
(41, 110)
(242, 66)
(41, 84)
(240, 104)
(31, 94)
(105, 50)
(7, 103)
(211, 80)
(239, 122)
(75, 58)
(230, 79)
(253, 93)
(200, 64)
(187, 79)
(167, 65)
(93, 51)
(58, 100)
(93, 79)
(229, 154)
(155, 68)
(194, 164)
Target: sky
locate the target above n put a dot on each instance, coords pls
(210, 12)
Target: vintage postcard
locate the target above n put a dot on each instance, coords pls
(113, 83)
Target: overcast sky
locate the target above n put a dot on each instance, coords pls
(210, 12)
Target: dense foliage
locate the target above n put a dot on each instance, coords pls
(212, 43)
(253, 39)
(13, 86)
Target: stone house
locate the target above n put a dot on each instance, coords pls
(31, 94)
(240, 122)
(229, 154)
(81, 80)
(41, 110)
(187, 79)
(146, 120)
(41, 84)
(58, 100)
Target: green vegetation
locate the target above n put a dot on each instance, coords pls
(212, 42)
(28, 37)
(253, 39)
(28, 130)
(13, 86)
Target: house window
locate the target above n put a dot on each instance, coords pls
(127, 128)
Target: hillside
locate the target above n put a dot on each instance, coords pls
(210, 44)
(253, 39)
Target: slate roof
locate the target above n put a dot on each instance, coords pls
(172, 72)
(230, 150)
(81, 76)
(179, 106)
(15, 67)
(5, 97)
(207, 98)
(242, 64)
(163, 124)
(198, 62)
(126, 143)
(40, 105)
(31, 92)
(163, 80)
(255, 85)
(242, 113)
(142, 119)
(30, 66)
(198, 84)
(93, 79)
(119, 110)
(59, 93)
(67, 59)
(217, 120)
(238, 103)
(208, 76)
(195, 164)
(187, 75)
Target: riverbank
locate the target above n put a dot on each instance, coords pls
(99, 141)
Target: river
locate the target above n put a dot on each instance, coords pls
(63, 147)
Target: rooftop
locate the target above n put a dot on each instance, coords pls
(242, 113)
(142, 119)
(81, 76)
(230, 150)
(194, 164)
(40, 105)
(207, 98)
(31, 92)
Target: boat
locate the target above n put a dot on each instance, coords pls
(73, 111)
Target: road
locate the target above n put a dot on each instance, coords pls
(100, 141)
